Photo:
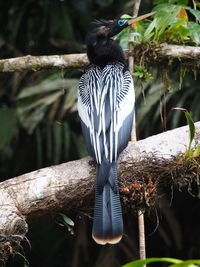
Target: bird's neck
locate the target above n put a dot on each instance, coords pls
(105, 52)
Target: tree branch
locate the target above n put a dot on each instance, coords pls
(71, 185)
(35, 63)
(177, 51)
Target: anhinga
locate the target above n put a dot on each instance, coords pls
(106, 107)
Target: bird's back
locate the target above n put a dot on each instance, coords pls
(105, 104)
(106, 108)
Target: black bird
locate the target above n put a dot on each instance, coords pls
(106, 107)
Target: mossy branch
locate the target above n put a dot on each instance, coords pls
(35, 63)
(143, 165)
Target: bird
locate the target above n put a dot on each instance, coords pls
(106, 107)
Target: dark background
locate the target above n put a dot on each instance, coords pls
(32, 137)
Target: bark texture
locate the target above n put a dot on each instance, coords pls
(177, 51)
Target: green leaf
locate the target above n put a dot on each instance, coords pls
(66, 219)
(140, 263)
(48, 85)
(191, 127)
(179, 2)
(194, 31)
(149, 31)
(126, 16)
(187, 263)
(70, 102)
(165, 19)
(43, 102)
(190, 124)
(35, 100)
(152, 98)
(175, 26)
(138, 74)
(162, 6)
(196, 13)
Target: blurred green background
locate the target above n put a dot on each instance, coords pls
(39, 127)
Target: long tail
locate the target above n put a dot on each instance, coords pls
(108, 222)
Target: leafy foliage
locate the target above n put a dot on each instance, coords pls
(170, 24)
(45, 98)
(175, 262)
(142, 73)
(155, 100)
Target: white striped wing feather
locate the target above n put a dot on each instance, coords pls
(106, 101)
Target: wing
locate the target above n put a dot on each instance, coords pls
(88, 102)
(106, 106)
(125, 111)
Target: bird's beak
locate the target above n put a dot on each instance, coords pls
(132, 21)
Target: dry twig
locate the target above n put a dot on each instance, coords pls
(142, 248)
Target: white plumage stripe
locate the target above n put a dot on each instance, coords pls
(105, 99)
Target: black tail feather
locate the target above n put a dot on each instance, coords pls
(108, 222)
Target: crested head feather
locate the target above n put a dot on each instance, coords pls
(101, 22)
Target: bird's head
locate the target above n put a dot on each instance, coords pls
(103, 30)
